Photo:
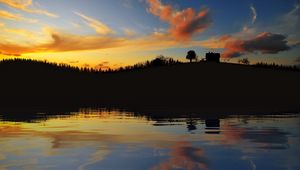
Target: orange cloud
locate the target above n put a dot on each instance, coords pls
(69, 42)
(57, 41)
(183, 24)
(21, 32)
(14, 49)
(98, 26)
(64, 42)
(212, 43)
(11, 16)
(25, 5)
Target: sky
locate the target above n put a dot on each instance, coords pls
(106, 33)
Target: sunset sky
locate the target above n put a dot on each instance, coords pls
(114, 33)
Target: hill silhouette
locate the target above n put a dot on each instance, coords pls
(171, 86)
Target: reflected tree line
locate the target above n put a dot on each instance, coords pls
(32, 115)
(274, 137)
(212, 126)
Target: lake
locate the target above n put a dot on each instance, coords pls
(112, 140)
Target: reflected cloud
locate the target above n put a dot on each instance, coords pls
(71, 139)
(64, 134)
(7, 131)
(50, 139)
(98, 156)
(91, 139)
(184, 156)
(265, 138)
(2, 157)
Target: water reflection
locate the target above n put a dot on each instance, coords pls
(184, 155)
(102, 139)
(212, 126)
(191, 124)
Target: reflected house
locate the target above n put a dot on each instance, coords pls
(213, 57)
(212, 126)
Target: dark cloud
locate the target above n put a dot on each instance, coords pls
(231, 54)
(298, 59)
(269, 137)
(266, 43)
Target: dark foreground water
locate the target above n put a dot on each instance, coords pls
(112, 140)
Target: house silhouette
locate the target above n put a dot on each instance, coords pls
(213, 57)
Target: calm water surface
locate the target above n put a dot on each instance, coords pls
(112, 140)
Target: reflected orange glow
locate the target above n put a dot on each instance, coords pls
(184, 156)
(92, 137)
(107, 127)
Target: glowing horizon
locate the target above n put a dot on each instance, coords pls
(125, 32)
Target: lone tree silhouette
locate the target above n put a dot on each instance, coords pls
(244, 61)
(191, 55)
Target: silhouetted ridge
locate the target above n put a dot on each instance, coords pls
(276, 66)
(158, 84)
(28, 64)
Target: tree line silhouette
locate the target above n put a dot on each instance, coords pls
(276, 66)
(62, 67)
(161, 82)
(157, 62)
